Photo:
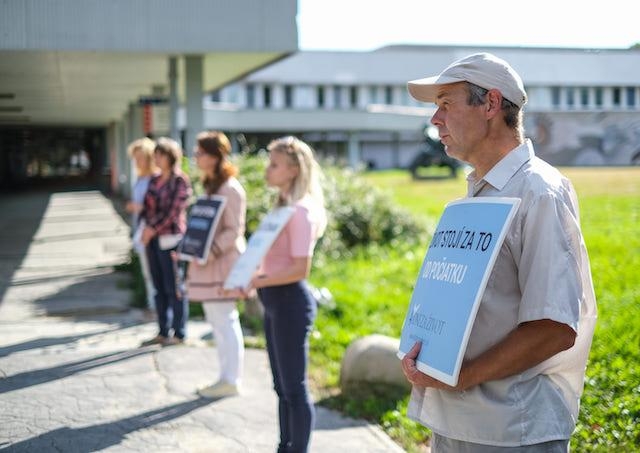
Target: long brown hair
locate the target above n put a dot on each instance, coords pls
(216, 144)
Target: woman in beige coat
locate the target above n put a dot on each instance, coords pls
(205, 282)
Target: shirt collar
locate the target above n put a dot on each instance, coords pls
(504, 170)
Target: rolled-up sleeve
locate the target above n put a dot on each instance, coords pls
(549, 269)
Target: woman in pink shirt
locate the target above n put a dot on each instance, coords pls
(289, 308)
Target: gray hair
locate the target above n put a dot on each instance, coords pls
(512, 113)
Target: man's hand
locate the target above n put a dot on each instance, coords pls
(417, 377)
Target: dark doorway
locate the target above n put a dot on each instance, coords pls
(64, 157)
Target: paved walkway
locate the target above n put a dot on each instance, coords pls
(72, 377)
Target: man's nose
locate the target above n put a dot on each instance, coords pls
(436, 119)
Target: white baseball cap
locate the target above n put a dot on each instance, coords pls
(482, 69)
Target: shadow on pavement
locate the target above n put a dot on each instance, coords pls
(103, 291)
(31, 378)
(21, 217)
(104, 435)
(45, 342)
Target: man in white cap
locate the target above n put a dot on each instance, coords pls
(523, 372)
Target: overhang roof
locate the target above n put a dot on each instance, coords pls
(82, 62)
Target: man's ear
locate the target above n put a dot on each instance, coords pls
(494, 102)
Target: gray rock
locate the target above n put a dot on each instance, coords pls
(372, 359)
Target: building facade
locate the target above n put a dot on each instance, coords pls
(81, 77)
(583, 109)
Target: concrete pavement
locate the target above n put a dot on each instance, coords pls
(72, 377)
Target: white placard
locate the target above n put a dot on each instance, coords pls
(259, 244)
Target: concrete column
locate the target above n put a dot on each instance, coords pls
(121, 144)
(113, 144)
(396, 149)
(195, 113)
(235, 147)
(173, 99)
(354, 149)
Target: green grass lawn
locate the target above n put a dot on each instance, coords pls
(372, 291)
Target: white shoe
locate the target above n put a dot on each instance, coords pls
(220, 389)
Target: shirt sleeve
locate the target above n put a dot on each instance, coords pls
(549, 273)
(301, 241)
(232, 223)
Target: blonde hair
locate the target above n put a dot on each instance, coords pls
(145, 146)
(308, 179)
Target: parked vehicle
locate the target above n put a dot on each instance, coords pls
(432, 154)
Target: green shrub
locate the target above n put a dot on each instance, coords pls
(359, 213)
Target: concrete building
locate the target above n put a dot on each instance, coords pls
(80, 79)
(583, 109)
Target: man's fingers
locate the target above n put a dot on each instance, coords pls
(415, 350)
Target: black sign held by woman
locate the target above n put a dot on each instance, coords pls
(203, 218)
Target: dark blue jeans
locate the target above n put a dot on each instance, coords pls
(171, 304)
(289, 313)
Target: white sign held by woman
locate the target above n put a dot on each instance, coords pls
(259, 244)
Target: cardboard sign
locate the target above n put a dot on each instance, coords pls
(201, 225)
(451, 282)
(257, 247)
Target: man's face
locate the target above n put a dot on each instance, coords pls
(461, 127)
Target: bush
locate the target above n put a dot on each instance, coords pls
(359, 214)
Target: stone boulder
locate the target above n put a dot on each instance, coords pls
(372, 359)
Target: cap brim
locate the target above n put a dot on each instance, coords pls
(425, 90)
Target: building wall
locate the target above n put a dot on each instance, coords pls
(584, 111)
(586, 138)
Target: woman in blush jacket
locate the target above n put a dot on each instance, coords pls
(205, 282)
(289, 307)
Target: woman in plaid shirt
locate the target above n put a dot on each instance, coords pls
(164, 213)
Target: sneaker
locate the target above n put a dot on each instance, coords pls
(219, 390)
(158, 339)
(172, 341)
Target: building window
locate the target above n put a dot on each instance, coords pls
(251, 96)
(337, 96)
(555, 97)
(616, 97)
(353, 97)
(388, 95)
(215, 96)
(288, 96)
(320, 96)
(571, 98)
(599, 97)
(373, 95)
(266, 93)
(631, 97)
(584, 97)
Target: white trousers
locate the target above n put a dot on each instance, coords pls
(225, 322)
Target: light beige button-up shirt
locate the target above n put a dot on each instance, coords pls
(541, 272)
